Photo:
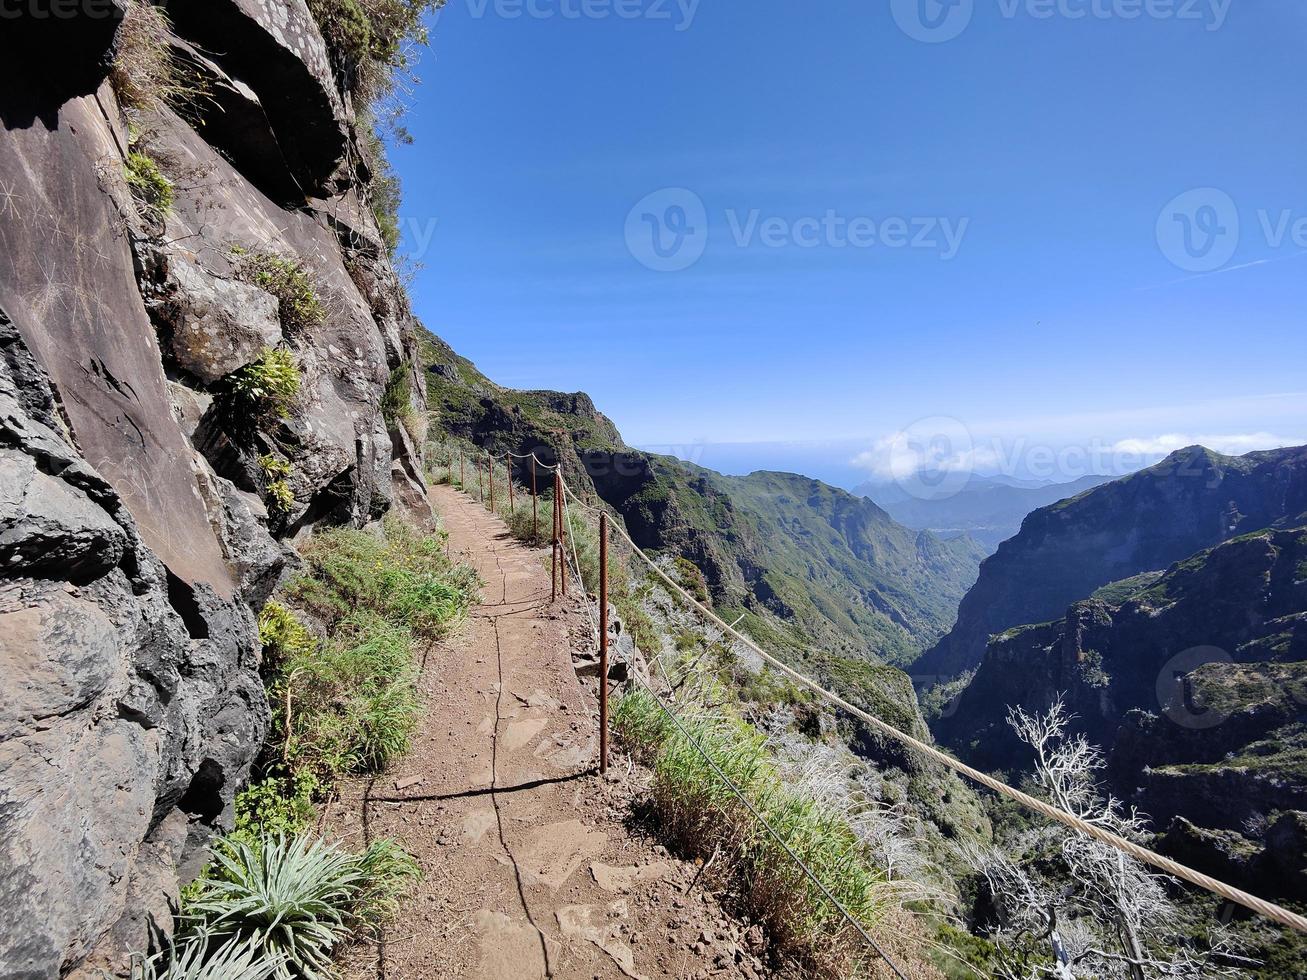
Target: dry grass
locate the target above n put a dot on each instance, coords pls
(145, 73)
(704, 818)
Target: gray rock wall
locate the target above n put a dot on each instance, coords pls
(137, 542)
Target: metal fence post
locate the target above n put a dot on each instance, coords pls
(490, 468)
(603, 643)
(553, 550)
(562, 527)
(535, 522)
(508, 462)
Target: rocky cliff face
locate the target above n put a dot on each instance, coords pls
(1196, 688)
(1191, 500)
(149, 499)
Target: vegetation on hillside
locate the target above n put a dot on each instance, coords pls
(827, 569)
(371, 44)
(703, 818)
(339, 661)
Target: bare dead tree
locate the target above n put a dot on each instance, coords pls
(1105, 914)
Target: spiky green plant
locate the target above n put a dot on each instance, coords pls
(293, 900)
(193, 959)
(289, 898)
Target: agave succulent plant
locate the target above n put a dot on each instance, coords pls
(289, 898)
(195, 959)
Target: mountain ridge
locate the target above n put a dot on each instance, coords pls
(753, 537)
(989, 510)
(1193, 499)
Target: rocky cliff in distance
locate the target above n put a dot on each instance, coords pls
(150, 492)
(1195, 686)
(1144, 522)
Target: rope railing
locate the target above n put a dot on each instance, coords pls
(717, 769)
(1261, 906)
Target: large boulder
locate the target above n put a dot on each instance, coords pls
(130, 704)
(218, 325)
(274, 48)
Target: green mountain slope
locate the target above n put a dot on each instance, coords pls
(825, 567)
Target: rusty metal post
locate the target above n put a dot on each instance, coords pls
(603, 643)
(508, 461)
(535, 520)
(462, 477)
(553, 553)
(562, 526)
(490, 468)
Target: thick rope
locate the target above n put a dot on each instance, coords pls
(1270, 910)
(594, 625)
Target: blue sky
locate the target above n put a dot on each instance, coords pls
(1027, 231)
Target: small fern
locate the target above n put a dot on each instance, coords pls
(269, 384)
(151, 190)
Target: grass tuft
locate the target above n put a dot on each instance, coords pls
(145, 74)
(151, 190)
(401, 575)
(288, 280)
(701, 816)
(267, 385)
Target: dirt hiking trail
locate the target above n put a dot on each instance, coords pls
(529, 870)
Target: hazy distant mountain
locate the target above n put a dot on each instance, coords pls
(1193, 499)
(989, 508)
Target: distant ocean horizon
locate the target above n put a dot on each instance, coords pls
(832, 462)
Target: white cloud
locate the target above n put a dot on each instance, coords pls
(1231, 445)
